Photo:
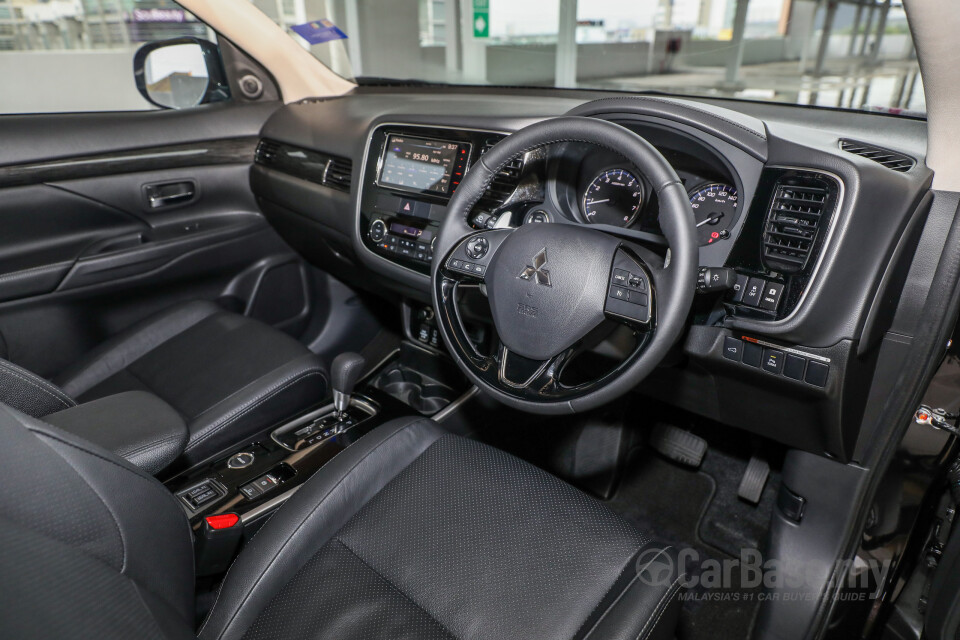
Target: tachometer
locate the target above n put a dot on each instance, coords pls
(715, 210)
(613, 197)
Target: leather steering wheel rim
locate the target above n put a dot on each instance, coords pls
(676, 280)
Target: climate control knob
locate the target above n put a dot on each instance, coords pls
(377, 230)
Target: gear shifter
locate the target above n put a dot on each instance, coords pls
(345, 372)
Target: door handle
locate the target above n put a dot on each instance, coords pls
(167, 194)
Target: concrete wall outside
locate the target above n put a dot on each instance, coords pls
(62, 81)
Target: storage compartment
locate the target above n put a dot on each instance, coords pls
(423, 380)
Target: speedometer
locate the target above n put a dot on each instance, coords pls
(613, 197)
(715, 210)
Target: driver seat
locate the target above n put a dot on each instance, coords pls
(412, 532)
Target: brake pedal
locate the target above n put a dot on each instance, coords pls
(754, 479)
(678, 445)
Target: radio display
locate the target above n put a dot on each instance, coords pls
(418, 164)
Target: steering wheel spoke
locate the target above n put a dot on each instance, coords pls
(539, 379)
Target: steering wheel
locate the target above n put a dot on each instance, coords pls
(552, 286)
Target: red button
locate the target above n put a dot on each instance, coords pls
(222, 521)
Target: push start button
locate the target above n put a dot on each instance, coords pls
(240, 460)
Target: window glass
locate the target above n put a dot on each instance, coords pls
(77, 55)
(851, 54)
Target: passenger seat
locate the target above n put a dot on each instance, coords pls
(228, 376)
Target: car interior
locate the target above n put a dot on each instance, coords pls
(291, 352)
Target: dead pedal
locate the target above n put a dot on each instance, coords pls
(754, 479)
(678, 445)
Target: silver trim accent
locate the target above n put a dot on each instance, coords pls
(834, 223)
(360, 403)
(341, 400)
(502, 375)
(360, 186)
(796, 352)
(451, 408)
(273, 503)
(240, 464)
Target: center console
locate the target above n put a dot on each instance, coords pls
(411, 172)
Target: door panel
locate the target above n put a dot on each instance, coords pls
(84, 252)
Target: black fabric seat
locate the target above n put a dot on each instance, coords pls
(411, 532)
(226, 375)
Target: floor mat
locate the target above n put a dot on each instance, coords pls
(672, 504)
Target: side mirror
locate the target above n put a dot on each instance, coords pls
(180, 73)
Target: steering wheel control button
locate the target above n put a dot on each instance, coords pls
(773, 360)
(770, 299)
(794, 366)
(754, 292)
(621, 277)
(817, 374)
(477, 247)
(732, 349)
(619, 293)
(240, 460)
(752, 354)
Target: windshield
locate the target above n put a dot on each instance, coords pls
(852, 54)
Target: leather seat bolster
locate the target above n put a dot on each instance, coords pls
(27, 392)
(311, 517)
(647, 605)
(135, 425)
(300, 383)
(97, 506)
(126, 347)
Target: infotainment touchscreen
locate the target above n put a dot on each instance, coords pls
(418, 164)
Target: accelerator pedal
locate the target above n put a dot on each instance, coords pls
(678, 445)
(754, 479)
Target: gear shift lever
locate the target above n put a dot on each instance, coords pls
(345, 372)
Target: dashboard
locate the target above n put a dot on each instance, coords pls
(800, 239)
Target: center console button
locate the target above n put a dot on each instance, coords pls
(377, 230)
(773, 360)
(770, 299)
(753, 292)
(739, 288)
(732, 348)
(240, 460)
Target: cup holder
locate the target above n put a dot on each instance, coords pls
(422, 393)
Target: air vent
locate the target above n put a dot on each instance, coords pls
(505, 182)
(889, 159)
(319, 168)
(267, 152)
(797, 216)
(338, 174)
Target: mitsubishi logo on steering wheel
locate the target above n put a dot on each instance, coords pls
(539, 261)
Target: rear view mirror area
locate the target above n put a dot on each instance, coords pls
(180, 73)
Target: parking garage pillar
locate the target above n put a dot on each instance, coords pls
(855, 29)
(881, 29)
(735, 59)
(825, 34)
(566, 59)
(866, 28)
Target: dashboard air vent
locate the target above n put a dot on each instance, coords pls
(797, 215)
(338, 174)
(320, 168)
(506, 181)
(889, 159)
(267, 152)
